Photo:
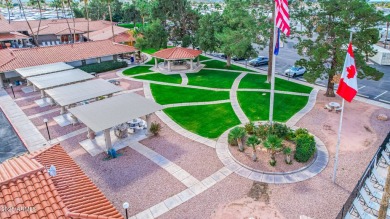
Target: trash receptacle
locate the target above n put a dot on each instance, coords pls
(132, 59)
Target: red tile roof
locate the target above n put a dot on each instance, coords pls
(21, 58)
(82, 27)
(121, 34)
(177, 53)
(23, 26)
(5, 27)
(12, 36)
(26, 184)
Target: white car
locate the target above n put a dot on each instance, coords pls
(295, 71)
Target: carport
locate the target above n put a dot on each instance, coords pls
(108, 113)
(75, 93)
(43, 69)
(44, 82)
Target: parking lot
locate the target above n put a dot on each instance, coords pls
(375, 90)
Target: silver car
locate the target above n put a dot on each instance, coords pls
(295, 71)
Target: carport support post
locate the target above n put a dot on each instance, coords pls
(28, 82)
(42, 94)
(91, 134)
(63, 110)
(148, 123)
(34, 88)
(107, 138)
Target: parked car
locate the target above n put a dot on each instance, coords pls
(261, 60)
(235, 58)
(295, 71)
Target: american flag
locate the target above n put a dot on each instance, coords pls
(282, 19)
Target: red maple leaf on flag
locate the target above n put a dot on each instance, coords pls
(351, 71)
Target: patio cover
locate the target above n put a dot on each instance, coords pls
(107, 113)
(43, 69)
(78, 92)
(61, 78)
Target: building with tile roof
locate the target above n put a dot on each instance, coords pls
(74, 54)
(122, 35)
(28, 191)
(177, 56)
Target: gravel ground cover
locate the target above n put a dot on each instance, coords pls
(137, 70)
(209, 121)
(256, 81)
(212, 78)
(256, 105)
(222, 65)
(174, 79)
(197, 159)
(172, 94)
(129, 178)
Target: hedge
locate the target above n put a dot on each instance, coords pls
(103, 66)
(305, 147)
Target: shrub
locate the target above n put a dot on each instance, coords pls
(231, 140)
(262, 131)
(250, 128)
(155, 128)
(238, 133)
(280, 130)
(103, 66)
(290, 135)
(305, 147)
(272, 163)
(301, 131)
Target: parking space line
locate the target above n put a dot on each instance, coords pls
(361, 87)
(362, 95)
(385, 101)
(380, 94)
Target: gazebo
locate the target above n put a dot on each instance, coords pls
(177, 60)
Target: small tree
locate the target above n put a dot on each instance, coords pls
(253, 141)
(287, 152)
(238, 133)
(273, 143)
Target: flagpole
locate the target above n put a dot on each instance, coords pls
(271, 105)
(336, 159)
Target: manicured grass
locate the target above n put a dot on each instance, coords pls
(149, 51)
(202, 58)
(175, 79)
(256, 105)
(209, 121)
(171, 94)
(222, 65)
(211, 78)
(131, 25)
(259, 82)
(151, 62)
(137, 70)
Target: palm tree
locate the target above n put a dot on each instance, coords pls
(74, 22)
(253, 141)
(40, 17)
(112, 25)
(87, 16)
(57, 5)
(238, 133)
(28, 23)
(273, 143)
(66, 17)
(387, 18)
(8, 4)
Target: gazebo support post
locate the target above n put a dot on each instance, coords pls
(198, 61)
(107, 138)
(63, 110)
(169, 65)
(148, 123)
(155, 62)
(192, 64)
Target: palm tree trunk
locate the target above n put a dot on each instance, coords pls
(28, 23)
(9, 15)
(87, 15)
(112, 25)
(40, 17)
(74, 22)
(228, 60)
(58, 17)
(66, 17)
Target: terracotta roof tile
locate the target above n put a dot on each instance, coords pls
(177, 53)
(121, 34)
(23, 26)
(12, 36)
(21, 58)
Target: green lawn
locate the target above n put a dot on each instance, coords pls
(222, 65)
(256, 105)
(211, 78)
(137, 70)
(202, 58)
(131, 25)
(149, 51)
(258, 82)
(209, 121)
(151, 62)
(171, 94)
(174, 79)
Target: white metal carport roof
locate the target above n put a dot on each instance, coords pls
(78, 92)
(107, 113)
(43, 69)
(61, 78)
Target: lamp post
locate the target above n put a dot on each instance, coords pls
(12, 88)
(47, 128)
(126, 206)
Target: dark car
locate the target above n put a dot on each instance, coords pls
(235, 58)
(261, 60)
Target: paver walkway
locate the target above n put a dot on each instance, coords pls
(184, 79)
(233, 97)
(29, 134)
(316, 166)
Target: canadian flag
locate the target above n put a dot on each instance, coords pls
(348, 82)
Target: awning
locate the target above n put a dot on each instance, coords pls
(62, 78)
(11, 74)
(78, 92)
(43, 69)
(107, 113)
